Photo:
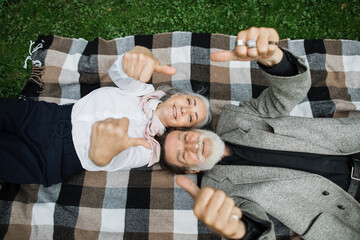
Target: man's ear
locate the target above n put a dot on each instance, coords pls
(192, 171)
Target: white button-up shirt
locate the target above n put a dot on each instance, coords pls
(113, 102)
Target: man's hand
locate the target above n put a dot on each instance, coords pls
(108, 138)
(139, 63)
(264, 49)
(214, 208)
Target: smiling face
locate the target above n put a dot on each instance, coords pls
(195, 149)
(181, 111)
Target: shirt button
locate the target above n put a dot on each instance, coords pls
(341, 207)
(325, 193)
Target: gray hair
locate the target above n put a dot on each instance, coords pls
(169, 91)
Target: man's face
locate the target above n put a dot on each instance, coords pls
(195, 149)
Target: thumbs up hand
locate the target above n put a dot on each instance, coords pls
(215, 209)
(139, 63)
(259, 44)
(109, 137)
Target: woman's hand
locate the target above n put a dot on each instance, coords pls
(109, 137)
(139, 63)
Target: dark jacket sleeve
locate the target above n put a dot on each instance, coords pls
(286, 67)
(255, 227)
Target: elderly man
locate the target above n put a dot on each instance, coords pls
(259, 136)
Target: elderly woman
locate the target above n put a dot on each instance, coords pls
(45, 143)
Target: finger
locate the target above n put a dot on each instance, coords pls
(267, 35)
(188, 185)
(201, 209)
(272, 48)
(125, 63)
(131, 64)
(228, 56)
(94, 130)
(252, 34)
(122, 125)
(138, 66)
(123, 121)
(225, 210)
(273, 37)
(217, 200)
(225, 223)
(223, 56)
(241, 51)
(236, 211)
(146, 72)
(210, 213)
(138, 142)
(235, 227)
(167, 70)
(263, 44)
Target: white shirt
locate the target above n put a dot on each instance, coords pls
(114, 102)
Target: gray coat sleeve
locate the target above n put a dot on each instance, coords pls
(283, 93)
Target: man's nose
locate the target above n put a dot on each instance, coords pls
(192, 145)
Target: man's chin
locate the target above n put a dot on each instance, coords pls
(216, 153)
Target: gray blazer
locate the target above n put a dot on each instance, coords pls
(308, 204)
(265, 122)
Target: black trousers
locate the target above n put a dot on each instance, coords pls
(36, 143)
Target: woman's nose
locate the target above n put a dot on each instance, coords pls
(184, 110)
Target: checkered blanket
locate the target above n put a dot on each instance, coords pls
(146, 203)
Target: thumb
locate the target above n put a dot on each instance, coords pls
(188, 185)
(138, 142)
(223, 56)
(167, 70)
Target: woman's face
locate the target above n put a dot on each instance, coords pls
(181, 111)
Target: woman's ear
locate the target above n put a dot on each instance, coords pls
(192, 171)
(176, 94)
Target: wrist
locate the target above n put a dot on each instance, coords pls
(100, 158)
(273, 60)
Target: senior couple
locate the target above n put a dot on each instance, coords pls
(304, 172)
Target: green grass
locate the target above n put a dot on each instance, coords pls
(25, 20)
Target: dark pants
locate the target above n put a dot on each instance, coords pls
(36, 142)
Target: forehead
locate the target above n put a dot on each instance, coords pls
(200, 106)
(199, 101)
(172, 146)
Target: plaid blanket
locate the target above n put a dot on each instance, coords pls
(146, 203)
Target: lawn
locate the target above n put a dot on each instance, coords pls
(22, 21)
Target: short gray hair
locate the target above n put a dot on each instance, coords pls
(169, 91)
